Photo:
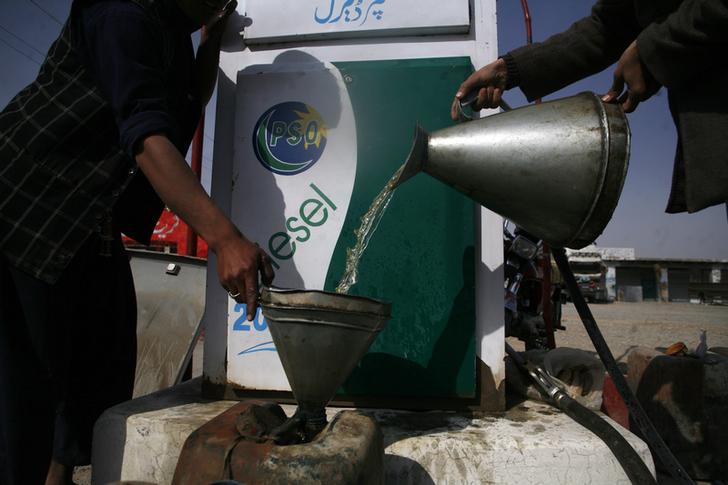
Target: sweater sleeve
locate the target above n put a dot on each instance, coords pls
(587, 47)
(123, 55)
(686, 43)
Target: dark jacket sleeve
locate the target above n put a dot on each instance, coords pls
(122, 50)
(587, 47)
(687, 42)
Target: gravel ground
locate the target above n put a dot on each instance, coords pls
(82, 475)
(647, 324)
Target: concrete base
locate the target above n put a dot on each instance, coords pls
(532, 443)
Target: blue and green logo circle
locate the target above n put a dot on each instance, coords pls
(289, 138)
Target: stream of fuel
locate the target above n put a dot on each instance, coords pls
(367, 228)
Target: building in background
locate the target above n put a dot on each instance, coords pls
(609, 274)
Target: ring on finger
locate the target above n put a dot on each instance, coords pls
(234, 294)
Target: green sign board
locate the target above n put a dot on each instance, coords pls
(422, 257)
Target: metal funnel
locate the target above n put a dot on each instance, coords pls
(555, 169)
(320, 337)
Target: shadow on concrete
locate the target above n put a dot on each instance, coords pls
(408, 471)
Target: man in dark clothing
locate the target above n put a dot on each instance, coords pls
(678, 44)
(120, 90)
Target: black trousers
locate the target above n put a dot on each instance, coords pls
(67, 352)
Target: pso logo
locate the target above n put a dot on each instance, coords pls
(289, 138)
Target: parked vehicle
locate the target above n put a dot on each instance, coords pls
(592, 286)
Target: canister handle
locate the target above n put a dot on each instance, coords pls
(469, 99)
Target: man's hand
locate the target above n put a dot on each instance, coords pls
(640, 83)
(239, 262)
(490, 81)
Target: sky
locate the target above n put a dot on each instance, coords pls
(28, 27)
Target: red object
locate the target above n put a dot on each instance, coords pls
(529, 29)
(171, 235)
(612, 403)
(678, 348)
(527, 19)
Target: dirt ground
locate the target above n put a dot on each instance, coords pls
(647, 324)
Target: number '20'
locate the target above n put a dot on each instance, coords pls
(243, 325)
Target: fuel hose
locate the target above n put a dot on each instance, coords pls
(631, 462)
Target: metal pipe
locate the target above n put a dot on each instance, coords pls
(527, 19)
(529, 28)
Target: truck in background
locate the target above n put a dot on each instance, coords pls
(591, 274)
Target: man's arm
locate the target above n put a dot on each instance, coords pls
(238, 260)
(125, 58)
(590, 45)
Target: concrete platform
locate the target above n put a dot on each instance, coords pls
(532, 443)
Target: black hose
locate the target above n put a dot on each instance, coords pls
(631, 462)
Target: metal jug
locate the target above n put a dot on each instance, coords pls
(555, 169)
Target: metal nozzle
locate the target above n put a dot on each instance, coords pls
(417, 156)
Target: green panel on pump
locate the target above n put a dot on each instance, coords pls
(422, 256)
